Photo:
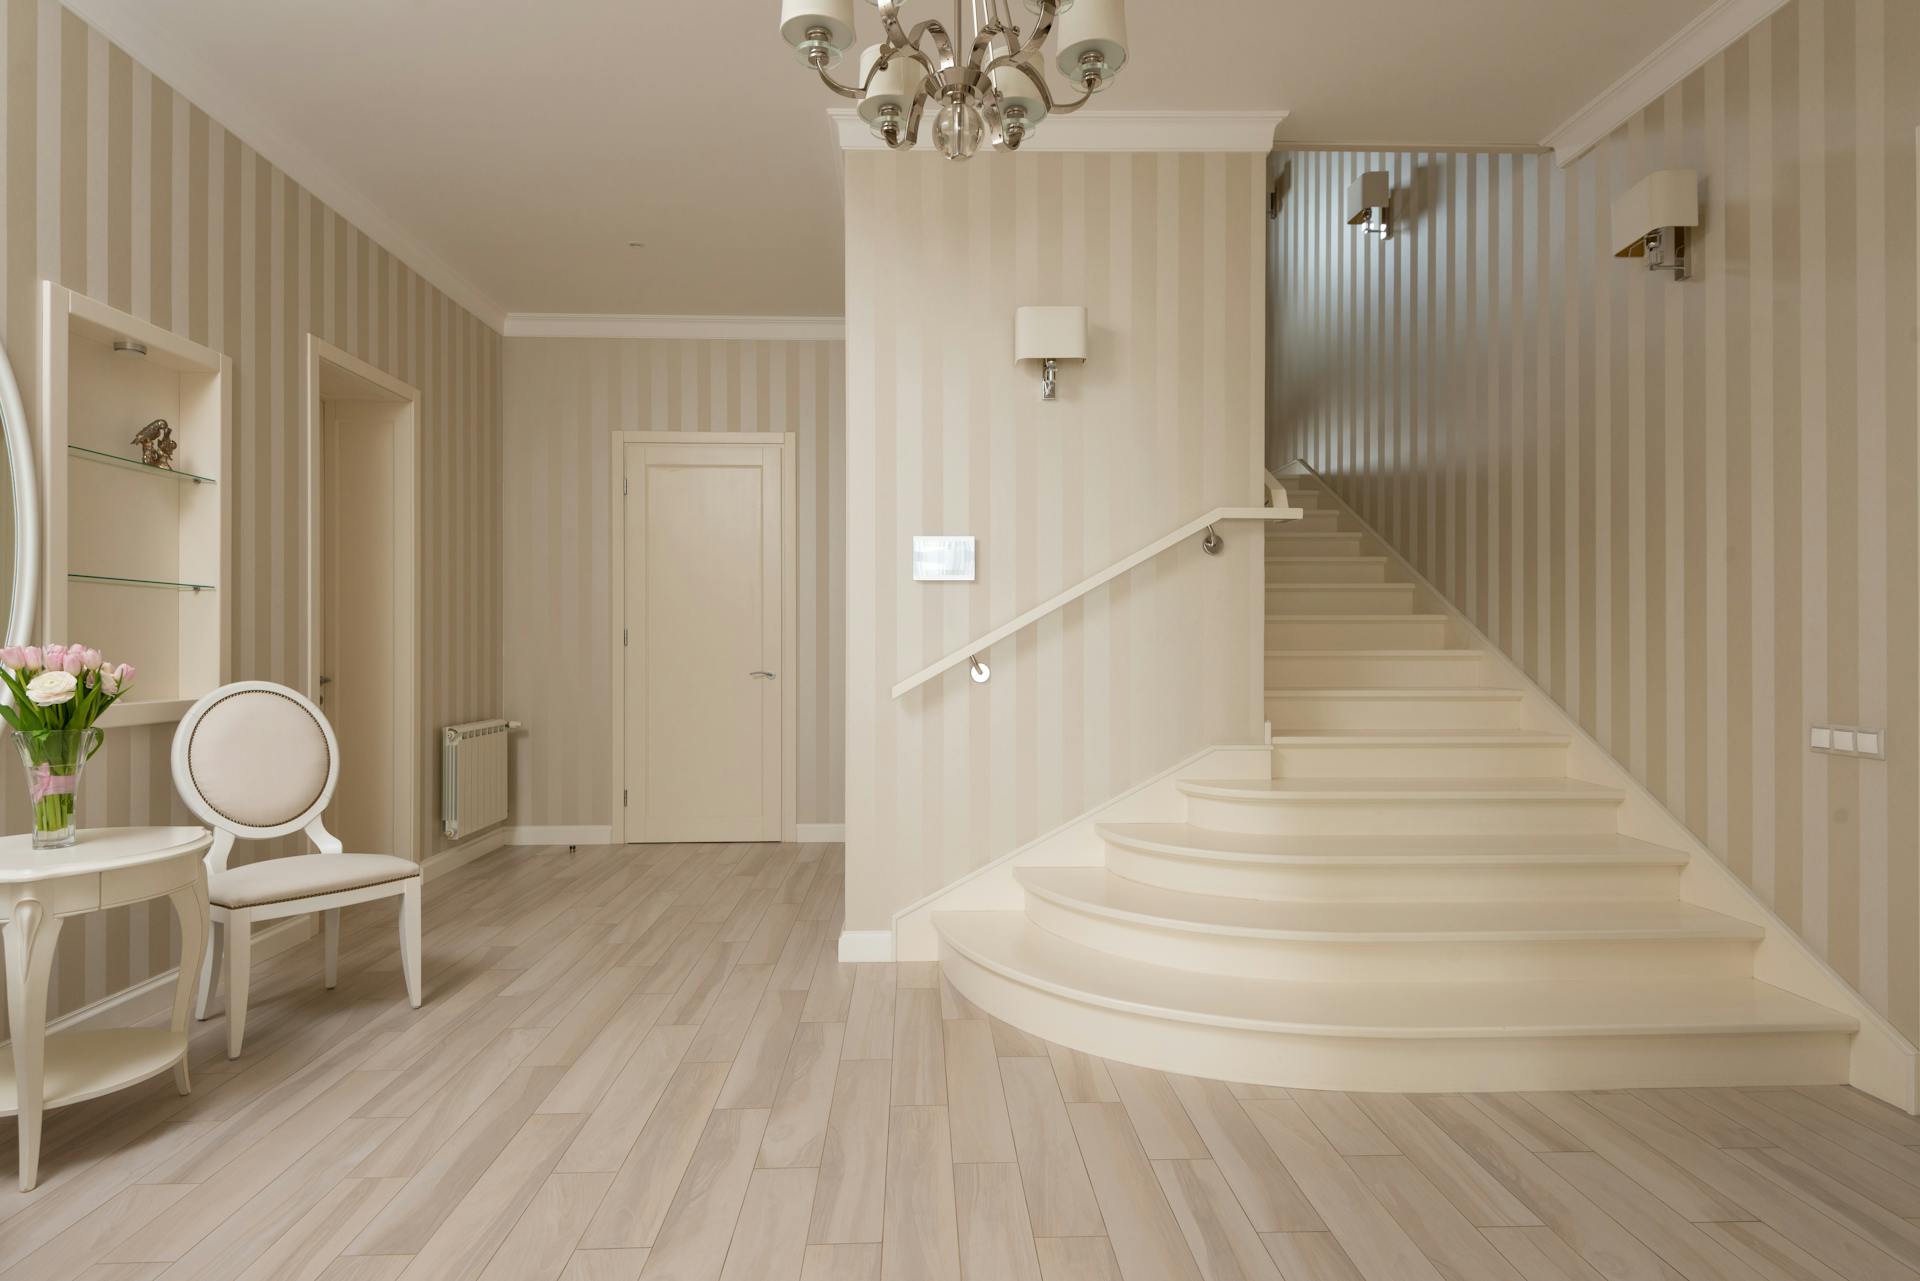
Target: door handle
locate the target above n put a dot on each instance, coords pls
(769, 675)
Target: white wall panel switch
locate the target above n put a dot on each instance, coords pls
(1822, 740)
(1870, 742)
(943, 558)
(1842, 739)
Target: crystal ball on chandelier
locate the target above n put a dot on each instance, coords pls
(982, 77)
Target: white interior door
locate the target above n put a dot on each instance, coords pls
(359, 527)
(702, 560)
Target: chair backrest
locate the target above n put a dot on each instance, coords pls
(255, 760)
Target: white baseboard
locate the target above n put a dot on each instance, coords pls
(464, 853)
(1074, 843)
(1884, 1063)
(866, 945)
(819, 833)
(153, 997)
(602, 835)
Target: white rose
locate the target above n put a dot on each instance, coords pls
(51, 688)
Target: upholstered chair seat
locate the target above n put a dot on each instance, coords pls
(282, 880)
(257, 761)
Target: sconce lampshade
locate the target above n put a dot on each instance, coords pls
(1664, 198)
(1050, 333)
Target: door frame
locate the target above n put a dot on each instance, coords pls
(409, 747)
(617, 609)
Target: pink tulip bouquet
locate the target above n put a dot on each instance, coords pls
(54, 697)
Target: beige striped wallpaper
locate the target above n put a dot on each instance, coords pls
(1688, 510)
(116, 186)
(946, 436)
(564, 399)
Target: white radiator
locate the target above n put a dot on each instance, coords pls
(473, 776)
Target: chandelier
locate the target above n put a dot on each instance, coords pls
(994, 87)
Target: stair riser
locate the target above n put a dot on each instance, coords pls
(1283, 546)
(1392, 883)
(1383, 598)
(1345, 671)
(1461, 961)
(1298, 714)
(1372, 760)
(1352, 569)
(1415, 1064)
(1385, 632)
(1379, 816)
(1313, 522)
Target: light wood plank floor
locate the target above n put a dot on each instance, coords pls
(646, 1062)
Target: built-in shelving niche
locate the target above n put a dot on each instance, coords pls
(137, 557)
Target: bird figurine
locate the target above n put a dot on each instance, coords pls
(157, 444)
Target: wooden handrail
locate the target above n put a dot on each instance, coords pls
(1279, 511)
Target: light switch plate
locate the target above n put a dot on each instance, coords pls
(1868, 742)
(1842, 739)
(1822, 740)
(943, 558)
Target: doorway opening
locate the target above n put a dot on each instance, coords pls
(362, 429)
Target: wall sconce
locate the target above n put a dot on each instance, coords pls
(1049, 335)
(1653, 221)
(1368, 198)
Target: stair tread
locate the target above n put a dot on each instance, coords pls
(1205, 842)
(1010, 945)
(1338, 587)
(1099, 891)
(1317, 789)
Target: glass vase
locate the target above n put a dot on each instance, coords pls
(54, 761)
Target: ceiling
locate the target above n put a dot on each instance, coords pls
(520, 147)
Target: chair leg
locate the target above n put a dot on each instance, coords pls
(410, 939)
(209, 969)
(239, 970)
(330, 924)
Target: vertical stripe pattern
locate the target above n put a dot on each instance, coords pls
(946, 435)
(1688, 510)
(117, 187)
(565, 397)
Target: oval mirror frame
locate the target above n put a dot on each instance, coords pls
(26, 507)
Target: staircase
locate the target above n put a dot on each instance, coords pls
(1419, 898)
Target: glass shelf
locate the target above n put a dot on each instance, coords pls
(134, 464)
(115, 581)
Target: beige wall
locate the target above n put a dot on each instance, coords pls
(119, 188)
(564, 399)
(1687, 509)
(945, 435)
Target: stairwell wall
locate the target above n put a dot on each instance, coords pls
(945, 435)
(1688, 510)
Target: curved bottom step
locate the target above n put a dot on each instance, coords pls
(1410, 1038)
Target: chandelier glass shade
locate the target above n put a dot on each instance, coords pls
(982, 77)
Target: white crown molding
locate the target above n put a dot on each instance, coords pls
(138, 27)
(1690, 48)
(531, 324)
(1236, 131)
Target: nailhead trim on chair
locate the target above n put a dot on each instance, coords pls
(294, 898)
(239, 822)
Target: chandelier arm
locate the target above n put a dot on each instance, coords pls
(845, 91)
(1040, 83)
(912, 134)
(1049, 9)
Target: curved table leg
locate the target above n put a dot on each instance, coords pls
(29, 936)
(190, 903)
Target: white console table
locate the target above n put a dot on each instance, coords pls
(107, 867)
